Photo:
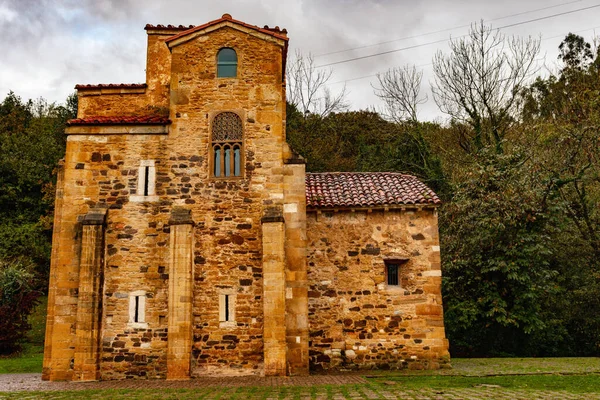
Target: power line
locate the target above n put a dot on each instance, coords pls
(443, 30)
(428, 64)
(445, 40)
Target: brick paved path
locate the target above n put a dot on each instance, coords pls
(19, 382)
(320, 387)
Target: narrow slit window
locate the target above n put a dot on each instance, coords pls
(136, 317)
(146, 180)
(137, 308)
(227, 309)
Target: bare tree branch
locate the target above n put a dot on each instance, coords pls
(307, 87)
(400, 89)
(479, 81)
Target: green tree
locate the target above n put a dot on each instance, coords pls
(497, 256)
(31, 143)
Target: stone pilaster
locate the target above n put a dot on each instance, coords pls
(179, 344)
(58, 208)
(274, 334)
(86, 362)
(296, 292)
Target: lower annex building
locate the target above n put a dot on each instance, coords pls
(190, 241)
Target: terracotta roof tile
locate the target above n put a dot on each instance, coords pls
(173, 27)
(276, 32)
(112, 86)
(121, 120)
(365, 189)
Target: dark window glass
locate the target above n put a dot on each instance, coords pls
(227, 161)
(226, 63)
(392, 274)
(146, 177)
(236, 161)
(217, 161)
(137, 307)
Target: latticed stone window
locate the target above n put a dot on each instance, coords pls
(227, 145)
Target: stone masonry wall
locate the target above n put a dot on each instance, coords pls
(228, 238)
(101, 170)
(356, 319)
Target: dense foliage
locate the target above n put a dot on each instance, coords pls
(31, 143)
(18, 297)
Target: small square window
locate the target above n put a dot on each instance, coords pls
(392, 273)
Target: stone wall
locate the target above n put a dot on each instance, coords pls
(101, 170)
(356, 319)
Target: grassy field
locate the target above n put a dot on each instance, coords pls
(490, 378)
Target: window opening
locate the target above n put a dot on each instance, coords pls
(226, 307)
(146, 181)
(392, 274)
(227, 310)
(137, 307)
(227, 133)
(146, 177)
(226, 63)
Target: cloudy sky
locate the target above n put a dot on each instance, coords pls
(49, 46)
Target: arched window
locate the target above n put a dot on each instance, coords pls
(226, 63)
(227, 146)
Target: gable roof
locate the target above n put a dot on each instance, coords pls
(275, 32)
(366, 189)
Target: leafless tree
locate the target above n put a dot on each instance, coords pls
(307, 87)
(478, 82)
(400, 90)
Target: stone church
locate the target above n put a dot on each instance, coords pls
(189, 240)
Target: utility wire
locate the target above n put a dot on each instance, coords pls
(428, 64)
(446, 40)
(444, 30)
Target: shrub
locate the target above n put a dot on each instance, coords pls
(18, 297)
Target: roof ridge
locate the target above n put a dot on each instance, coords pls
(275, 32)
(362, 172)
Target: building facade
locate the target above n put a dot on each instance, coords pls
(189, 241)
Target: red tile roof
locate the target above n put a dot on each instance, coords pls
(174, 27)
(147, 120)
(276, 32)
(365, 189)
(112, 86)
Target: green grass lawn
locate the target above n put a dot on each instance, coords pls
(569, 383)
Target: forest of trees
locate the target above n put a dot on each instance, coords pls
(517, 165)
